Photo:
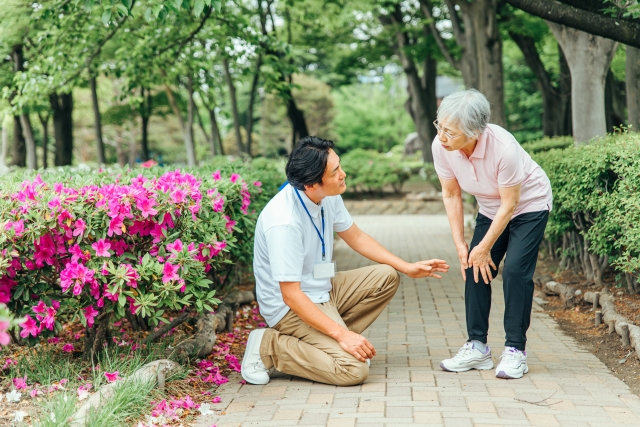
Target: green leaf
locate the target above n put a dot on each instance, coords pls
(106, 16)
(122, 300)
(147, 17)
(216, 4)
(157, 9)
(88, 4)
(199, 7)
(127, 3)
(122, 9)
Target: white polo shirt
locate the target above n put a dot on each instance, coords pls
(286, 247)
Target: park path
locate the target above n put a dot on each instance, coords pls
(422, 325)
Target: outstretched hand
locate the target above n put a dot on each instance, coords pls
(428, 268)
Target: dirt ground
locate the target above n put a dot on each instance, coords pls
(579, 323)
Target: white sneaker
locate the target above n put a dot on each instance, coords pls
(253, 370)
(468, 358)
(513, 364)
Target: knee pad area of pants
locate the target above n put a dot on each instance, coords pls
(359, 373)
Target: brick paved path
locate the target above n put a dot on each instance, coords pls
(423, 324)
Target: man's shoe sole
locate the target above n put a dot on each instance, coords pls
(480, 367)
(504, 376)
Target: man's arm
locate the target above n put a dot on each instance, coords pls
(353, 343)
(368, 247)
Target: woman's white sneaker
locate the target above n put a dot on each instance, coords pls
(253, 370)
(513, 364)
(468, 358)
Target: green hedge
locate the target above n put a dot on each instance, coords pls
(546, 144)
(596, 209)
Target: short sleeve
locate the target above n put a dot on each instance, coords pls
(443, 169)
(342, 220)
(510, 166)
(286, 253)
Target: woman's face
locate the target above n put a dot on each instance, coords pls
(452, 138)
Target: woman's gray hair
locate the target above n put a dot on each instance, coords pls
(469, 110)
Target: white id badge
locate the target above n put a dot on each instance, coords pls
(324, 270)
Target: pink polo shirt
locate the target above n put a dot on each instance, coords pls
(497, 161)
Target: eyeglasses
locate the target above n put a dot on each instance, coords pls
(447, 134)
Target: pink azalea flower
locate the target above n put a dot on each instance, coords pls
(216, 399)
(20, 383)
(112, 376)
(102, 247)
(234, 177)
(169, 273)
(175, 246)
(218, 204)
(90, 313)
(80, 226)
(216, 176)
(29, 327)
(35, 392)
(146, 207)
(50, 319)
(115, 226)
(68, 348)
(230, 224)
(45, 250)
(5, 338)
(257, 184)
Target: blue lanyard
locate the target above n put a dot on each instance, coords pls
(321, 236)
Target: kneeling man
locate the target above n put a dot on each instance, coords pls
(316, 315)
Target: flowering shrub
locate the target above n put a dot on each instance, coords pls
(7, 321)
(95, 244)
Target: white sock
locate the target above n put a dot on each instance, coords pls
(479, 345)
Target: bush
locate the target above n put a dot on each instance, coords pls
(596, 189)
(369, 171)
(95, 245)
(546, 144)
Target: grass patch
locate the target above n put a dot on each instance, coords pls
(130, 401)
(56, 412)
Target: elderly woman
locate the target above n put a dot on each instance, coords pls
(514, 195)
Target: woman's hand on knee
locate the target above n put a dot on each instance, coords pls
(356, 345)
(480, 260)
(463, 255)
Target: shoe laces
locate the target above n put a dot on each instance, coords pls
(511, 356)
(258, 366)
(464, 351)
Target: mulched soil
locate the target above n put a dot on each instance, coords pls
(579, 322)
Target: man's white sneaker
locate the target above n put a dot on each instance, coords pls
(513, 364)
(253, 370)
(468, 358)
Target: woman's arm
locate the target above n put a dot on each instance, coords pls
(452, 198)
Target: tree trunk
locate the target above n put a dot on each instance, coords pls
(44, 121)
(5, 143)
(145, 115)
(62, 106)
(133, 152)
(188, 142)
(298, 123)
(633, 87)
(252, 98)
(488, 48)
(589, 58)
(614, 103)
(234, 105)
(565, 92)
(189, 139)
(215, 133)
(120, 153)
(421, 104)
(97, 122)
(29, 140)
(554, 103)
(19, 146)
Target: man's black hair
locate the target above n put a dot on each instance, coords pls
(308, 161)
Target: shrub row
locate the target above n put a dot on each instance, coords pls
(103, 245)
(596, 210)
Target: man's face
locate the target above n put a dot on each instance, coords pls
(333, 180)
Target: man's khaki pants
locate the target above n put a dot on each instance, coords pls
(357, 298)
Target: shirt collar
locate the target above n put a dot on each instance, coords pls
(314, 210)
(481, 146)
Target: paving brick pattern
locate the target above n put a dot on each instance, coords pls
(423, 324)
